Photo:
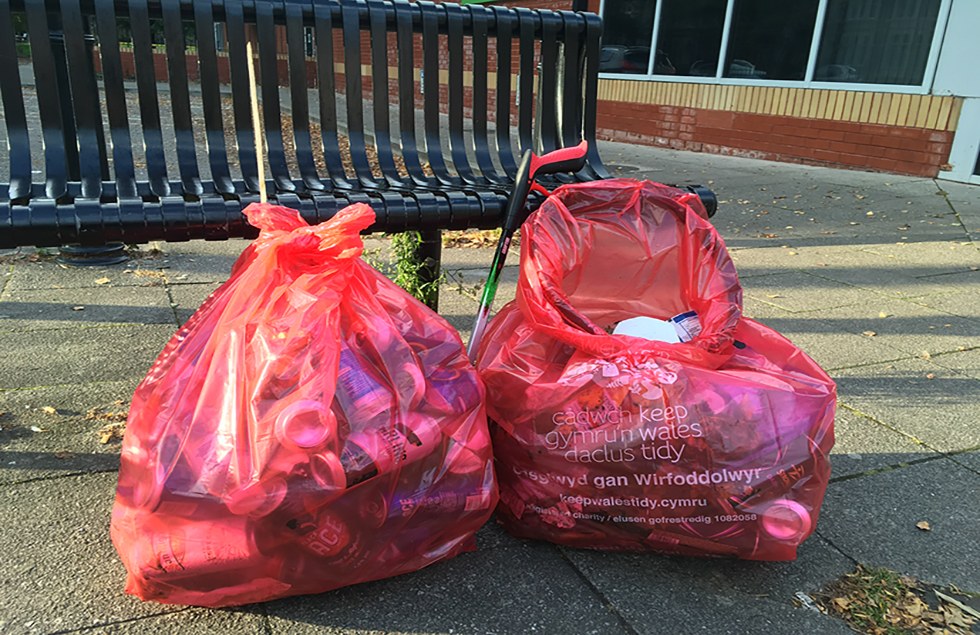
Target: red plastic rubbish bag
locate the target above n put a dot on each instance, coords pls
(311, 426)
(714, 446)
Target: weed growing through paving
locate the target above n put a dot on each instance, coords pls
(883, 602)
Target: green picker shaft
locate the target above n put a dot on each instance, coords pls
(564, 160)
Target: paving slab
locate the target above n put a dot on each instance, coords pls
(78, 356)
(48, 274)
(187, 298)
(35, 443)
(689, 595)
(193, 621)
(60, 572)
(99, 306)
(908, 327)
(526, 587)
(939, 412)
(965, 363)
(826, 345)
(797, 291)
(873, 520)
(862, 445)
(969, 460)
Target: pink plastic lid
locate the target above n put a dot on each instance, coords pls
(786, 520)
(305, 424)
(256, 498)
(328, 471)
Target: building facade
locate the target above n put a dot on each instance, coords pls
(885, 85)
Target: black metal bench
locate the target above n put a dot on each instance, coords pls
(433, 149)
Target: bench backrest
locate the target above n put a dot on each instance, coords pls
(430, 100)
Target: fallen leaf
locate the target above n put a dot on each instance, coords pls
(49, 410)
(37, 429)
(64, 454)
(974, 268)
(78, 308)
(961, 348)
(923, 525)
(112, 431)
(118, 402)
(821, 264)
(926, 355)
(102, 281)
(882, 314)
(828, 232)
(869, 333)
(773, 295)
(930, 376)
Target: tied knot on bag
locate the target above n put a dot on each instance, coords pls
(338, 238)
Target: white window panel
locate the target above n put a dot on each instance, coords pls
(808, 81)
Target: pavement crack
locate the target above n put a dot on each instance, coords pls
(833, 546)
(102, 625)
(888, 468)
(55, 477)
(626, 626)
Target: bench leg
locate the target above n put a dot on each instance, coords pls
(428, 253)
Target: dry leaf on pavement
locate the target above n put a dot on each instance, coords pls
(102, 281)
(49, 410)
(923, 525)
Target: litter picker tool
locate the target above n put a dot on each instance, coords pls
(564, 160)
(256, 122)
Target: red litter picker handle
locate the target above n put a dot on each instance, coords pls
(564, 160)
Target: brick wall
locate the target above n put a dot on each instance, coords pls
(906, 134)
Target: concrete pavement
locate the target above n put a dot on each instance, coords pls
(875, 276)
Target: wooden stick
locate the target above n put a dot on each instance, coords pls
(256, 122)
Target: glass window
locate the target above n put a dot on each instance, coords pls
(627, 35)
(876, 41)
(770, 39)
(690, 37)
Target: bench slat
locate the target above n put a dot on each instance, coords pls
(180, 99)
(156, 162)
(378, 16)
(241, 101)
(323, 33)
(115, 98)
(14, 113)
(211, 98)
(299, 97)
(56, 151)
(505, 20)
(355, 100)
(525, 85)
(431, 47)
(271, 112)
(480, 97)
(593, 30)
(405, 42)
(455, 53)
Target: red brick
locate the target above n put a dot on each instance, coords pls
(881, 164)
(825, 155)
(714, 118)
(913, 144)
(908, 133)
(887, 142)
(854, 159)
(819, 144)
(858, 138)
(839, 146)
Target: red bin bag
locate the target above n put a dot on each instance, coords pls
(311, 426)
(715, 446)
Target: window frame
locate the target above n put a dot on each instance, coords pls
(932, 60)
